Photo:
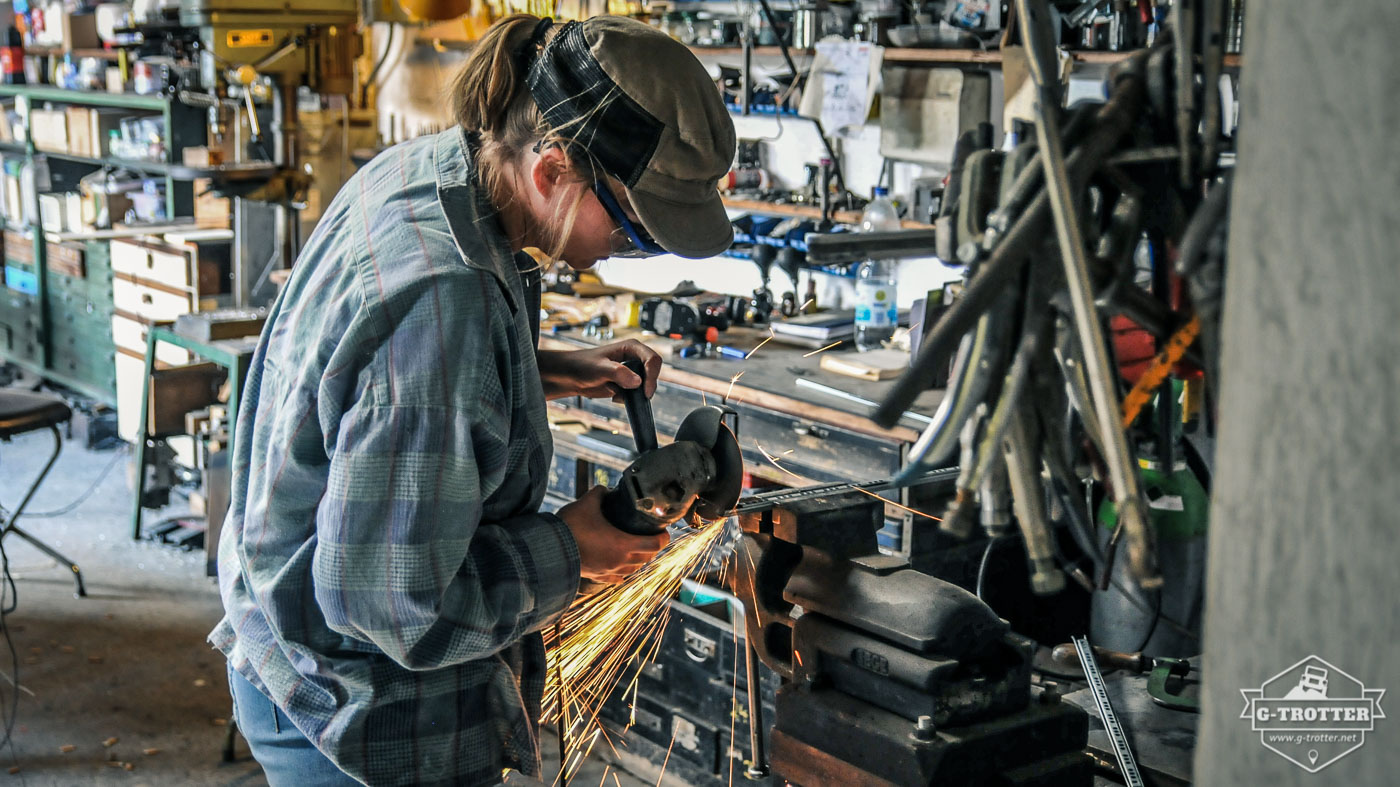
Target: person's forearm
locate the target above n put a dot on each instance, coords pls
(556, 382)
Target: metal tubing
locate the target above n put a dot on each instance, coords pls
(1112, 121)
(1028, 500)
(1069, 232)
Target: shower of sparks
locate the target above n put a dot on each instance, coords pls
(823, 349)
(605, 639)
(890, 502)
(732, 380)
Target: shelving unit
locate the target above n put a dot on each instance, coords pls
(984, 57)
(804, 211)
(61, 328)
(52, 51)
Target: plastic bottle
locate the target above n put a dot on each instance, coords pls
(876, 311)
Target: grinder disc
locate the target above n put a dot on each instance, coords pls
(705, 425)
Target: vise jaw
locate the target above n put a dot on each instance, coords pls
(892, 676)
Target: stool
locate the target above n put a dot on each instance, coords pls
(22, 412)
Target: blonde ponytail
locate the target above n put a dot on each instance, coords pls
(489, 96)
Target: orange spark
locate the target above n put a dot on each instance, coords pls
(804, 306)
(799, 658)
(896, 505)
(732, 380)
(771, 337)
(662, 775)
(774, 460)
(823, 349)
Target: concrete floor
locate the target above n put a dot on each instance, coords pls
(128, 665)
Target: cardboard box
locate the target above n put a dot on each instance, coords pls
(101, 122)
(49, 127)
(53, 212)
(80, 132)
(210, 210)
(79, 31)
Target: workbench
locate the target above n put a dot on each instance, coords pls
(789, 435)
(234, 355)
(830, 438)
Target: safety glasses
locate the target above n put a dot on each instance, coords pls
(637, 242)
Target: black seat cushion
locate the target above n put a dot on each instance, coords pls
(25, 411)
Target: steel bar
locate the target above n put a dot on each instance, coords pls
(1034, 17)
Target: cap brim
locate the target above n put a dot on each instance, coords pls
(694, 230)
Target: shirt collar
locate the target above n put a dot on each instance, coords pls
(470, 216)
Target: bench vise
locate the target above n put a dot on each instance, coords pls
(893, 677)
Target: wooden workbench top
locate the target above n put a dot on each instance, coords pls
(769, 380)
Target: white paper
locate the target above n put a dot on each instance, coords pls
(842, 84)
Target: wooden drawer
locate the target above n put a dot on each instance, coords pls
(169, 267)
(129, 372)
(148, 302)
(131, 335)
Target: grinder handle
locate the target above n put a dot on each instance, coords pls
(639, 409)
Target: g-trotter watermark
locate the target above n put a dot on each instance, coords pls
(1312, 713)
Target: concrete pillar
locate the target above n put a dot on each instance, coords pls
(1305, 524)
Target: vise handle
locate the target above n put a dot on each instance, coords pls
(1111, 659)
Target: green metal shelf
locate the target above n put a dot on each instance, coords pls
(184, 127)
(228, 172)
(93, 98)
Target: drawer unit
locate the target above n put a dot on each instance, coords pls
(149, 303)
(130, 335)
(21, 331)
(153, 263)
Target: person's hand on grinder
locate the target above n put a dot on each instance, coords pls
(607, 554)
(598, 372)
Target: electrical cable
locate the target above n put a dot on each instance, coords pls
(9, 601)
(1152, 629)
(82, 498)
(986, 559)
(374, 72)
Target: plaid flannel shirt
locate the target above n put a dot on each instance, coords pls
(384, 567)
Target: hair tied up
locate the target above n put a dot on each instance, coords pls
(529, 50)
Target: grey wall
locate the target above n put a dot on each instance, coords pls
(1305, 529)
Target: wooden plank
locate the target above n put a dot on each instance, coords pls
(797, 408)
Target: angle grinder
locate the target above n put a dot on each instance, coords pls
(697, 477)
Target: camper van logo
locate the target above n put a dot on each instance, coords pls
(1312, 713)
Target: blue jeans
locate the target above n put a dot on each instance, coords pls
(286, 755)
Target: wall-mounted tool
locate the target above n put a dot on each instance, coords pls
(697, 477)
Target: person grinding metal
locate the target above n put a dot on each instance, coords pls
(385, 568)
